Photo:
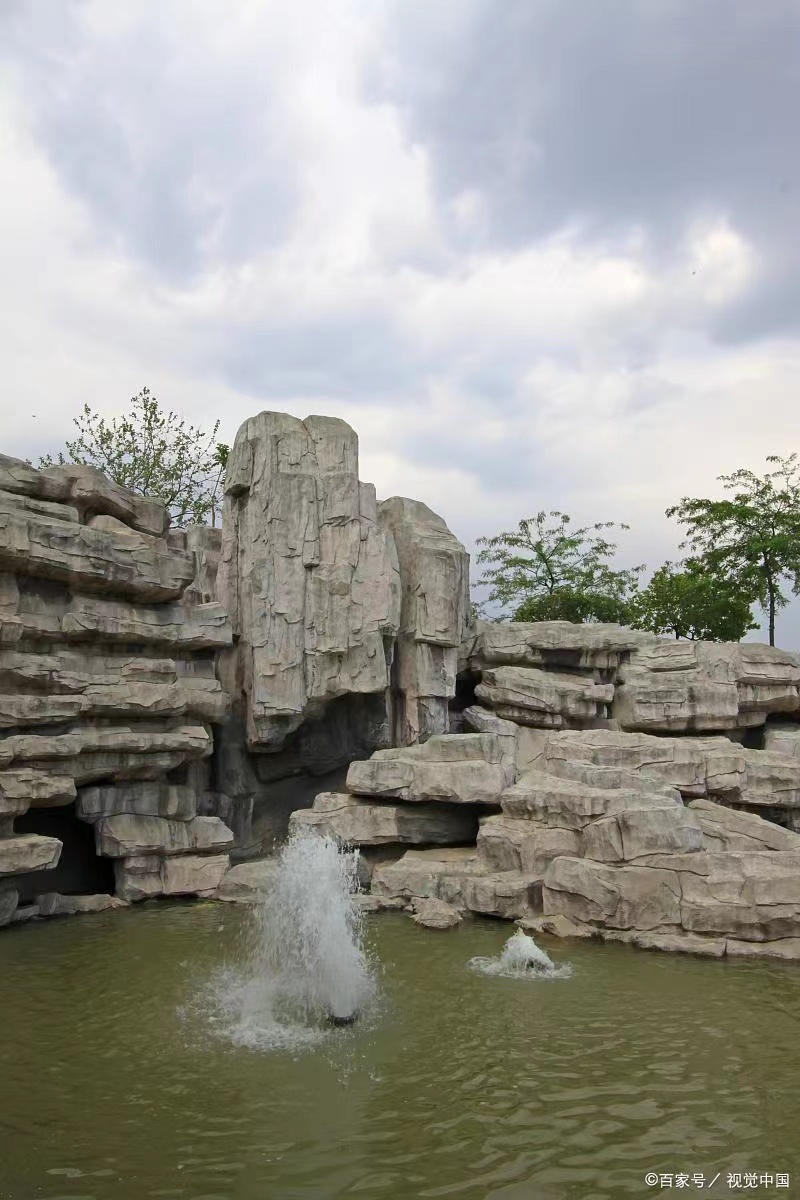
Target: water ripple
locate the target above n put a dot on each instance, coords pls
(463, 1085)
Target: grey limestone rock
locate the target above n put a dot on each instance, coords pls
(135, 565)
(458, 768)
(107, 636)
(53, 904)
(358, 822)
(434, 616)
(127, 835)
(457, 877)
(435, 914)
(308, 576)
(550, 644)
(145, 799)
(143, 877)
(549, 699)
(28, 852)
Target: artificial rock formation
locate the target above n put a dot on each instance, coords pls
(171, 697)
(108, 692)
(347, 617)
(309, 577)
(598, 815)
(680, 687)
(168, 697)
(434, 613)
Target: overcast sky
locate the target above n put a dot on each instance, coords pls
(539, 253)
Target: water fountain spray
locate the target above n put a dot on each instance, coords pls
(306, 967)
(311, 935)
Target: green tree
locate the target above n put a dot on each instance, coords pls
(154, 453)
(689, 601)
(547, 570)
(752, 538)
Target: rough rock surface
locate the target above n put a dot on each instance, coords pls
(621, 835)
(107, 680)
(247, 882)
(435, 608)
(358, 822)
(671, 686)
(548, 699)
(141, 877)
(53, 904)
(129, 836)
(654, 685)
(457, 768)
(435, 914)
(308, 575)
(550, 644)
(163, 686)
(458, 878)
(25, 852)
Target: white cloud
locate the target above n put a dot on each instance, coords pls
(221, 210)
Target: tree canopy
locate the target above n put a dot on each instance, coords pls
(750, 539)
(546, 569)
(689, 602)
(154, 453)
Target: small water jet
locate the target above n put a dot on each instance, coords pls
(306, 967)
(521, 958)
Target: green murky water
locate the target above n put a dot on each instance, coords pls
(115, 1086)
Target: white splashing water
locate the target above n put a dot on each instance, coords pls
(521, 958)
(306, 966)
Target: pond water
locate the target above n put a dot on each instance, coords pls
(118, 1081)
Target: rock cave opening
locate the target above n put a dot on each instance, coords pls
(80, 870)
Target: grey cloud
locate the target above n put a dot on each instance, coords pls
(175, 152)
(614, 115)
(356, 355)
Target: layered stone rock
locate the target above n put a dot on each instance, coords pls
(705, 686)
(550, 645)
(572, 804)
(458, 878)
(146, 799)
(147, 876)
(783, 739)
(356, 821)
(480, 720)
(511, 844)
(54, 904)
(456, 768)
(547, 699)
(133, 564)
(26, 852)
(729, 829)
(610, 834)
(127, 835)
(435, 914)
(106, 672)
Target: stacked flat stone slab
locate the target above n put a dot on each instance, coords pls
(642, 683)
(587, 822)
(678, 687)
(606, 833)
(550, 645)
(548, 674)
(432, 795)
(107, 680)
(545, 699)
